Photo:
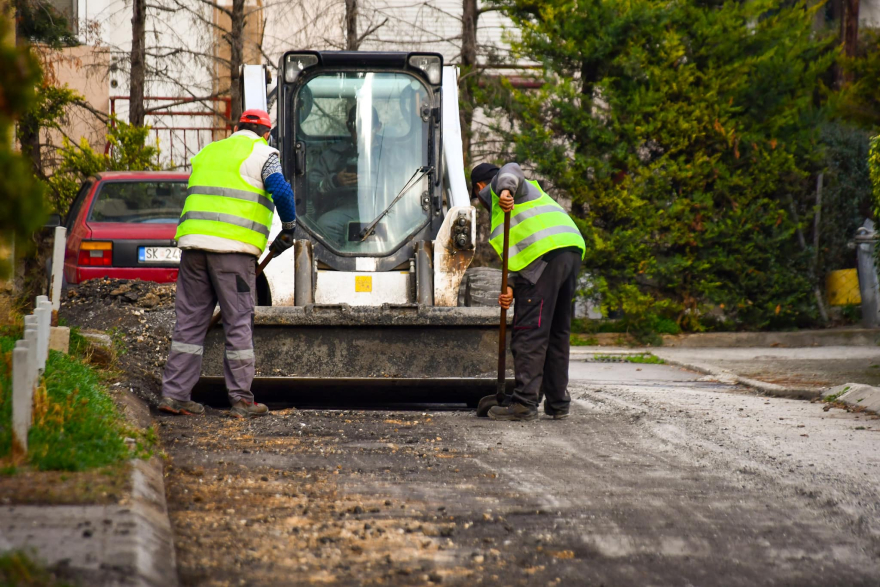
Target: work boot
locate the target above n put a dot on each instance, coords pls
(554, 413)
(515, 412)
(245, 409)
(173, 406)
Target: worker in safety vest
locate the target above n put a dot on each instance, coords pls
(235, 187)
(546, 249)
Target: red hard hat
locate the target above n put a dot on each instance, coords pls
(256, 116)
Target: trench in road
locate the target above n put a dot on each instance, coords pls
(640, 486)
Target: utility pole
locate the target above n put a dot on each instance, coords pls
(351, 29)
(136, 113)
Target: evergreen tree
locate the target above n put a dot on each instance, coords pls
(684, 133)
(21, 196)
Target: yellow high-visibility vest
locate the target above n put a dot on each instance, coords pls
(219, 202)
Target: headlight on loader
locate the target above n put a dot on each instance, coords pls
(432, 65)
(295, 64)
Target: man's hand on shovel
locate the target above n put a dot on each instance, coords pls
(505, 300)
(505, 201)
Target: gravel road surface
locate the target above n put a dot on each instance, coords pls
(659, 477)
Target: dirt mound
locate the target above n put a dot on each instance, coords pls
(123, 292)
(138, 316)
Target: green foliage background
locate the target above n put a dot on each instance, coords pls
(21, 195)
(874, 166)
(129, 150)
(687, 136)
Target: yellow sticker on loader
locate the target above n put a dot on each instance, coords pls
(363, 283)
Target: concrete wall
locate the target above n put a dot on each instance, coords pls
(869, 13)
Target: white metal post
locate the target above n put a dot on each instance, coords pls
(44, 323)
(57, 266)
(22, 393)
(30, 335)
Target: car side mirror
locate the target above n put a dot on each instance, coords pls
(53, 221)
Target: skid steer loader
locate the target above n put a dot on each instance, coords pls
(369, 293)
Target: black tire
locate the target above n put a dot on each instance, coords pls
(480, 288)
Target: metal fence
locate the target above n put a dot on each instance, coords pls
(28, 363)
(32, 351)
(176, 124)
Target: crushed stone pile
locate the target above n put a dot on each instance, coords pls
(139, 318)
(143, 294)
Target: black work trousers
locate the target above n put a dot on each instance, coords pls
(541, 332)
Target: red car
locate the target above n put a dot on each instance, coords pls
(122, 225)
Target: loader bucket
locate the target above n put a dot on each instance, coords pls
(336, 347)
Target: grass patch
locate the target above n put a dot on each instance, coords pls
(591, 326)
(645, 358)
(834, 397)
(76, 425)
(19, 569)
(576, 340)
(79, 344)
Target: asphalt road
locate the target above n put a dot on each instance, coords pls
(658, 478)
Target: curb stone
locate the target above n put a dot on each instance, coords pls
(721, 375)
(726, 376)
(856, 394)
(156, 563)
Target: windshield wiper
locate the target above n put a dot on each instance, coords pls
(409, 184)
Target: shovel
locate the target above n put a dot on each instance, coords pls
(259, 270)
(500, 397)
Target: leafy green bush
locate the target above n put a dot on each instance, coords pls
(76, 424)
(685, 135)
(874, 169)
(846, 195)
(129, 151)
(859, 101)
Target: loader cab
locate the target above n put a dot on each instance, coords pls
(360, 138)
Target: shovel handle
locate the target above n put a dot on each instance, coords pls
(502, 327)
(216, 318)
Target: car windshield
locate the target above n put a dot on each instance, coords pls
(141, 202)
(363, 136)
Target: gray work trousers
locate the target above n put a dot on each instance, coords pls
(203, 280)
(541, 331)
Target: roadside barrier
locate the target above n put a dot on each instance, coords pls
(28, 364)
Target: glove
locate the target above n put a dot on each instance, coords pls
(284, 240)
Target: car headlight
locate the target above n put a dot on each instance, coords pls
(432, 65)
(296, 64)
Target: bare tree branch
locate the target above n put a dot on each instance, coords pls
(370, 31)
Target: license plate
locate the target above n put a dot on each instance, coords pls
(158, 255)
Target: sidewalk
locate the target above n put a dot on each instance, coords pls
(804, 373)
(788, 372)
